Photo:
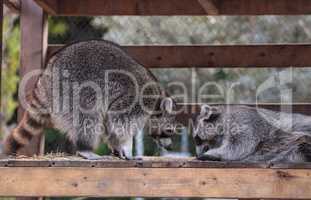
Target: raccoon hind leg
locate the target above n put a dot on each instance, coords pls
(304, 148)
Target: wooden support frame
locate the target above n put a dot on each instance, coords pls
(1, 36)
(214, 56)
(153, 177)
(173, 178)
(177, 7)
(33, 52)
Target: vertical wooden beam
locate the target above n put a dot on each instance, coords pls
(34, 29)
(1, 32)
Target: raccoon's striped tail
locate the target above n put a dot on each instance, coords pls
(22, 134)
(31, 125)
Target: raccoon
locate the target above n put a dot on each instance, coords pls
(93, 91)
(242, 133)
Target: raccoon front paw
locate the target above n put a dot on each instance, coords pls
(89, 155)
(122, 155)
(208, 157)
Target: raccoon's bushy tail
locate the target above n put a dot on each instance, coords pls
(31, 125)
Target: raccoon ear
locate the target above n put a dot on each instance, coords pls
(207, 111)
(167, 105)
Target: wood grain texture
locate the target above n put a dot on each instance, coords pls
(33, 52)
(139, 182)
(146, 162)
(181, 7)
(226, 56)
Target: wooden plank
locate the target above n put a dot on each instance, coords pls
(302, 108)
(33, 51)
(181, 7)
(146, 162)
(1, 35)
(165, 182)
(13, 5)
(212, 56)
(188, 112)
(50, 6)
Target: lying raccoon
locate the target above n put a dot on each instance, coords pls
(241, 133)
(93, 90)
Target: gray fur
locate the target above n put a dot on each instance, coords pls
(241, 133)
(88, 61)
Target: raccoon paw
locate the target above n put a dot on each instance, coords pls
(88, 155)
(122, 155)
(208, 157)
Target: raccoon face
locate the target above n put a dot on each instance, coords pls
(207, 133)
(164, 124)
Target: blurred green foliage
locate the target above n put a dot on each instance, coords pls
(64, 30)
(10, 65)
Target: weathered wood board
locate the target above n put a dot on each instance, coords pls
(152, 177)
(222, 56)
(176, 7)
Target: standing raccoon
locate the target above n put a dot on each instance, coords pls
(93, 91)
(241, 133)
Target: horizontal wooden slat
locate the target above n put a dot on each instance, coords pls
(146, 162)
(159, 182)
(188, 112)
(227, 56)
(302, 108)
(182, 7)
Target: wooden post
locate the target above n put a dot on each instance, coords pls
(1, 26)
(34, 29)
